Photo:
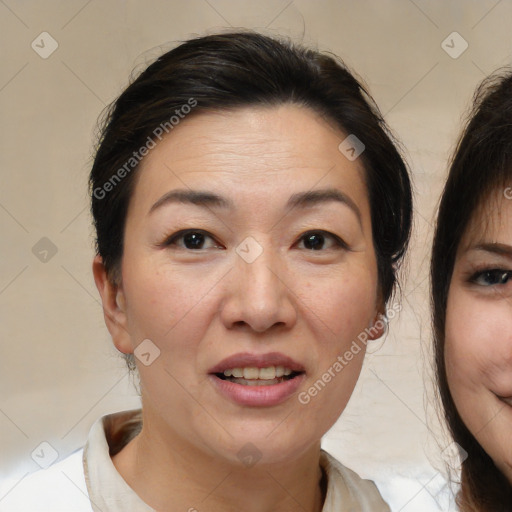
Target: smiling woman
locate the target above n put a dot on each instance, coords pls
(471, 298)
(241, 257)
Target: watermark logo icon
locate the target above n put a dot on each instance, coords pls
(454, 455)
(44, 250)
(44, 45)
(439, 489)
(249, 455)
(351, 147)
(249, 249)
(146, 352)
(44, 455)
(454, 45)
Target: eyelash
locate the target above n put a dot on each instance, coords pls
(491, 272)
(172, 239)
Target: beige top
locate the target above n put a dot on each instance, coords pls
(108, 492)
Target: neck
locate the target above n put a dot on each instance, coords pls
(166, 469)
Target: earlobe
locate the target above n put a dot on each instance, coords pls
(114, 307)
(378, 327)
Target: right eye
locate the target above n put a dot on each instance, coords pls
(191, 239)
(491, 277)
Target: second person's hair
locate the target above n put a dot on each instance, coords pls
(482, 164)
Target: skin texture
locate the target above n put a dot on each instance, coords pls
(200, 306)
(478, 349)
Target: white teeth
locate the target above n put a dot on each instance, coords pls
(253, 373)
(267, 373)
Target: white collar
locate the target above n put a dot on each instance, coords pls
(108, 491)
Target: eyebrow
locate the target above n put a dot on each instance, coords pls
(315, 197)
(299, 200)
(494, 248)
(197, 197)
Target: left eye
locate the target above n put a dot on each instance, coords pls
(492, 277)
(316, 240)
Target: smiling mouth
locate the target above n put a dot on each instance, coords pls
(253, 376)
(506, 399)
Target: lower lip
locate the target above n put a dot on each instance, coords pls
(258, 396)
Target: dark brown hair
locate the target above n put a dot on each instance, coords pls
(233, 70)
(482, 163)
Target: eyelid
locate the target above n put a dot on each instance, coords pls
(170, 239)
(337, 240)
(474, 275)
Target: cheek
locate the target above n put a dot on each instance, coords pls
(462, 349)
(478, 349)
(160, 298)
(344, 304)
(466, 345)
(340, 310)
(173, 308)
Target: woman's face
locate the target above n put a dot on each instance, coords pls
(248, 238)
(478, 350)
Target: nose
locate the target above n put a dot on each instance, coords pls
(259, 295)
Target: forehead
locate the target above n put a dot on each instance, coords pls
(248, 152)
(491, 221)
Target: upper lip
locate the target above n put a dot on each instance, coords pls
(245, 360)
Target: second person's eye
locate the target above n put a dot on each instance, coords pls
(491, 277)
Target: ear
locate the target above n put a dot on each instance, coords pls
(112, 297)
(379, 326)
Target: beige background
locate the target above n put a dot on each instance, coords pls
(59, 371)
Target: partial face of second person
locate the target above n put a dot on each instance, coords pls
(478, 345)
(312, 288)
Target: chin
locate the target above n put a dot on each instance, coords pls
(260, 448)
